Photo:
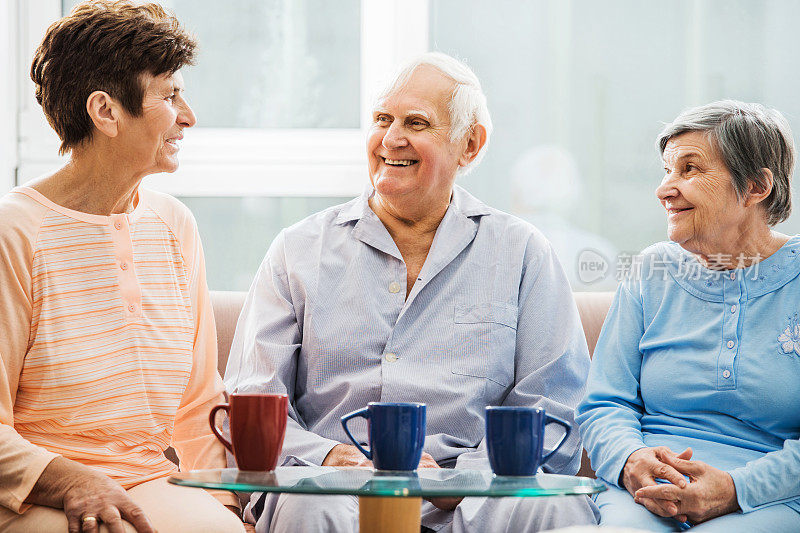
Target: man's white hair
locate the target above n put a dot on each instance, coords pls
(467, 103)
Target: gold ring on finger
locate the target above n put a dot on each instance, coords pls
(89, 518)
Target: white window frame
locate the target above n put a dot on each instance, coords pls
(231, 161)
(8, 95)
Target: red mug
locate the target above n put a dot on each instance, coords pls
(258, 424)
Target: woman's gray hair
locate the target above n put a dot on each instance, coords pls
(467, 104)
(750, 138)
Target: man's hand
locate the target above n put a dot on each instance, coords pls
(710, 494)
(446, 504)
(646, 465)
(345, 455)
(427, 461)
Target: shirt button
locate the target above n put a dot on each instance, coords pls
(733, 275)
(394, 287)
(123, 265)
(726, 374)
(117, 225)
(390, 357)
(132, 309)
(731, 344)
(733, 309)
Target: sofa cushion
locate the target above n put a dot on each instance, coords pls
(227, 306)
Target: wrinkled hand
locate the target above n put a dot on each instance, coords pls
(642, 469)
(427, 461)
(446, 504)
(345, 455)
(710, 494)
(82, 491)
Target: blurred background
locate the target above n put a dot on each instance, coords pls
(578, 90)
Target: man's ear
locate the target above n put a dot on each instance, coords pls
(759, 189)
(104, 112)
(475, 142)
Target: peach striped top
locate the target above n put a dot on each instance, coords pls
(108, 346)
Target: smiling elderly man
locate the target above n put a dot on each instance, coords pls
(415, 291)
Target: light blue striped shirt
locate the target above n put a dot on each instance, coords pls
(490, 321)
(709, 359)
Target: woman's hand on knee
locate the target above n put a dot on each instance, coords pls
(647, 465)
(710, 493)
(105, 499)
(88, 498)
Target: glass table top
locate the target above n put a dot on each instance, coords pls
(425, 482)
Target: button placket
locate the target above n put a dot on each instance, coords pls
(390, 360)
(726, 378)
(130, 291)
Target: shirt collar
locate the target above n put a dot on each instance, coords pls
(461, 201)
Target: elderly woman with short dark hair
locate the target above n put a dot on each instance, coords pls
(108, 348)
(690, 414)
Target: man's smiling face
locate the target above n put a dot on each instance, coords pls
(409, 148)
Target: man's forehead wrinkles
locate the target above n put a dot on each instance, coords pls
(420, 112)
(399, 110)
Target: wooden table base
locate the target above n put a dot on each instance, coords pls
(389, 515)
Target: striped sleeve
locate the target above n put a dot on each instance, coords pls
(21, 462)
(192, 439)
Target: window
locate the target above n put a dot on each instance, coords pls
(282, 90)
(578, 90)
(8, 95)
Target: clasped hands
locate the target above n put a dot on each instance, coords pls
(709, 493)
(347, 455)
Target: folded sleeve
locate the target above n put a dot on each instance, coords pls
(194, 443)
(265, 351)
(769, 480)
(610, 414)
(21, 462)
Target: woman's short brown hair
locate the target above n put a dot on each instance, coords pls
(104, 45)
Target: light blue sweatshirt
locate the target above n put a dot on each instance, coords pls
(708, 359)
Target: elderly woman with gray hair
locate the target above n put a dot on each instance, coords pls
(690, 414)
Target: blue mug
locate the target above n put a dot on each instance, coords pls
(396, 434)
(515, 439)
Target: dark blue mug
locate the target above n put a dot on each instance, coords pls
(515, 439)
(396, 434)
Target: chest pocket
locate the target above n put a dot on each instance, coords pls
(484, 341)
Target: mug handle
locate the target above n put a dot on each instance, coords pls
(214, 429)
(560, 422)
(363, 413)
